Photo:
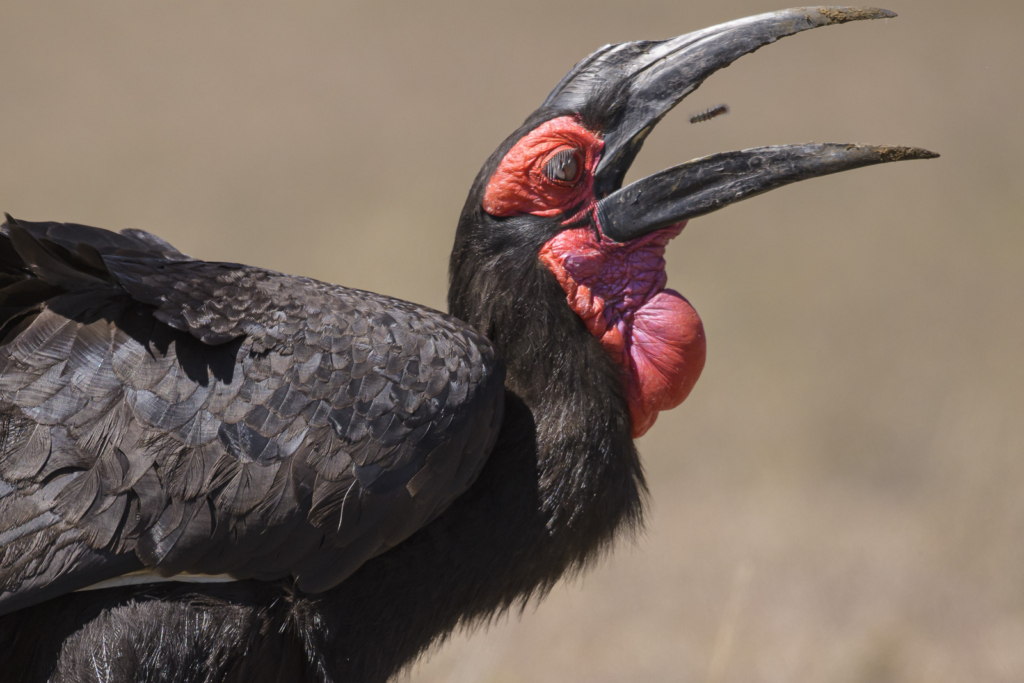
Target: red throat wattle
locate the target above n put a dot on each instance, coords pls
(617, 289)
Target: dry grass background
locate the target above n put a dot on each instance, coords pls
(842, 497)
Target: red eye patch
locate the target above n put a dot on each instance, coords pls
(521, 183)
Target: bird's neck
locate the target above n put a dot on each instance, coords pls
(589, 477)
(577, 420)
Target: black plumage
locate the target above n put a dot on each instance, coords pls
(366, 473)
(216, 494)
(196, 417)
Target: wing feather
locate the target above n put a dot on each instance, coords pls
(183, 416)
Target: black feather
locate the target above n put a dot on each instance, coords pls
(163, 397)
(362, 465)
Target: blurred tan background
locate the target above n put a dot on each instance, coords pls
(842, 497)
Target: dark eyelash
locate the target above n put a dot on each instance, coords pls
(558, 162)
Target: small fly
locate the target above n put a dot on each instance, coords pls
(709, 114)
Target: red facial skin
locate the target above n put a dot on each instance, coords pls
(617, 289)
(520, 186)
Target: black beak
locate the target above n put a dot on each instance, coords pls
(705, 185)
(633, 85)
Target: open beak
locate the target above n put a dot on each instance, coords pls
(635, 84)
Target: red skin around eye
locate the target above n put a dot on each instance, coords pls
(519, 185)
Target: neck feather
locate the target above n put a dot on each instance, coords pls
(590, 479)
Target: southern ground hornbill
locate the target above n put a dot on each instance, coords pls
(333, 480)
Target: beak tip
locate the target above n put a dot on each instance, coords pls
(897, 153)
(841, 15)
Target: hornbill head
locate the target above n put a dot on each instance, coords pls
(550, 200)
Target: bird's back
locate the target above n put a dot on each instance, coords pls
(164, 415)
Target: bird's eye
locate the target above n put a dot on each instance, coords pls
(564, 167)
